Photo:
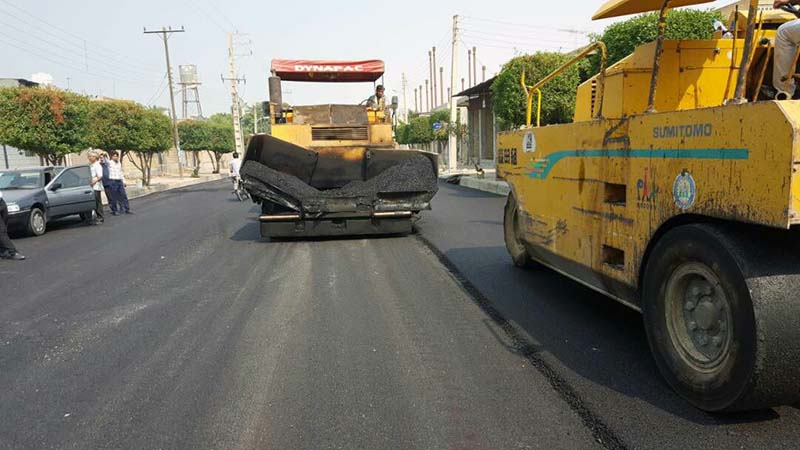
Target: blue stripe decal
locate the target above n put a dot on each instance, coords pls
(542, 168)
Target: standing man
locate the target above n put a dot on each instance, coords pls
(378, 101)
(117, 185)
(112, 202)
(97, 185)
(7, 249)
(786, 42)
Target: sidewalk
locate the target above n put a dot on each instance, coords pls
(489, 182)
(165, 183)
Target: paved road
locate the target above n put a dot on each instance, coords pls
(177, 328)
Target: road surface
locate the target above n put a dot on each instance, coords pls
(177, 328)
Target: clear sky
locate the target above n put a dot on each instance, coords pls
(97, 46)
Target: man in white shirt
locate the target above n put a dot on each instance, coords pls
(235, 166)
(7, 249)
(117, 185)
(97, 185)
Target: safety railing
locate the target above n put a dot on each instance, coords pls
(536, 88)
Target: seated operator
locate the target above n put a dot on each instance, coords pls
(786, 42)
(378, 101)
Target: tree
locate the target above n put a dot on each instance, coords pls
(622, 38)
(112, 125)
(214, 137)
(46, 121)
(153, 135)
(558, 96)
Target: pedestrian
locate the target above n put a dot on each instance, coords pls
(117, 181)
(7, 249)
(104, 162)
(97, 185)
(233, 171)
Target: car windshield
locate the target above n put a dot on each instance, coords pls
(20, 179)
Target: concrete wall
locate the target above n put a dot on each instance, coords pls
(12, 158)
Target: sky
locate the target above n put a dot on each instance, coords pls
(97, 47)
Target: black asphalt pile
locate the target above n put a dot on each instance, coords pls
(414, 177)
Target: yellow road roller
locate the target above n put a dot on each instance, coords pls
(676, 192)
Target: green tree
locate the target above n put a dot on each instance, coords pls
(113, 125)
(153, 135)
(558, 96)
(46, 121)
(622, 38)
(215, 138)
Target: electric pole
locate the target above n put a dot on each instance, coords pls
(235, 105)
(441, 85)
(431, 77)
(433, 61)
(474, 66)
(483, 69)
(255, 119)
(416, 105)
(469, 68)
(427, 96)
(405, 103)
(452, 162)
(165, 33)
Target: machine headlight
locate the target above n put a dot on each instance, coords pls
(12, 207)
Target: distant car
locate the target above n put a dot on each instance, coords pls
(38, 195)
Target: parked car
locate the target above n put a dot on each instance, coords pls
(38, 195)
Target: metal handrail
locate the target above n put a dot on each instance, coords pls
(601, 79)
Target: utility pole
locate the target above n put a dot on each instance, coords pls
(420, 99)
(431, 77)
(416, 105)
(469, 68)
(165, 33)
(236, 106)
(435, 103)
(474, 66)
(255, 119)
(441, 85)
(427, 97)
(405, 103)
(483, 69)
(452, 162)
(462, 83)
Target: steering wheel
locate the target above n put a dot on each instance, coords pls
(791, 9)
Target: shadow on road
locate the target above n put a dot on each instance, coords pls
(594, 336)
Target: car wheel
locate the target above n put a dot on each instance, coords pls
(87, 216)
(37, 222)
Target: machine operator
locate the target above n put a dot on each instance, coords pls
(786, 42)
(378, 101)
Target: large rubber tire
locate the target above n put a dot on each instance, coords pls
(512, 235)
(722, 335)
(37, 222)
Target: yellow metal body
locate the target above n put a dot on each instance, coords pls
(378, 135)
(594, 194)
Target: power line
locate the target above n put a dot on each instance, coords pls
(501, 40)
(523, 25)
(111, 54)
(79, 54)
(54, 58)
(213, 5)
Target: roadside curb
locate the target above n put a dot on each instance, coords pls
(498, 187)
(139, 192)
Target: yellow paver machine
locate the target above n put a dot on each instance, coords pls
(676, 192)
(335, 170)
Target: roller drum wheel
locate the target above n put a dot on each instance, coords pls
(722, 317)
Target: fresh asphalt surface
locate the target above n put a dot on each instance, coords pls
(178, 328)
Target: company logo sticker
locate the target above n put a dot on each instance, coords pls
(529, 142)
(684, 190)
(646, 190)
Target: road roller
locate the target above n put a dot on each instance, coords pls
(675, 191)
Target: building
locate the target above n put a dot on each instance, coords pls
(480, 145)
(10, 157)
